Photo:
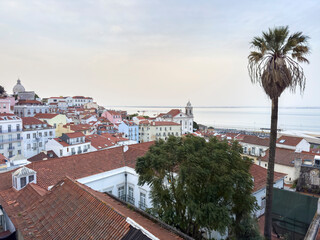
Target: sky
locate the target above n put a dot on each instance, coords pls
(149, 52)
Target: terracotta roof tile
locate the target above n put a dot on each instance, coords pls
(45, 115)
(255, 140)
(259, 175)
(287, 156)
(289, 140)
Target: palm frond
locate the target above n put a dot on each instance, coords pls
(275, 64)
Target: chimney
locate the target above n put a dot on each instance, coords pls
(125, 148)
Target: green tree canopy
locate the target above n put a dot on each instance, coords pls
(2, 91)
(197, 185)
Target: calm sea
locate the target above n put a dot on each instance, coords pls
(250, 118)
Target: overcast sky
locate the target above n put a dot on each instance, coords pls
(149, 52)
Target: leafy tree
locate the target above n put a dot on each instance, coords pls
(197, 185)
(2, 91)
(248, 229)
(195, 125)
(274, 64)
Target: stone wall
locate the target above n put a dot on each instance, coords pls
(309, 179)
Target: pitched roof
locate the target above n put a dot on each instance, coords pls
(3, 159)
(289, 140)
(49, 172)
(45, 115)
(259, 175)
(99, 142)
(32, 121)
(43, 156)
(29, 102)
(164, 123)
(73, 211)
(174, 112)
(255, 140)
(113, 112)
(79, 127)
(287, 156)
(75, 134)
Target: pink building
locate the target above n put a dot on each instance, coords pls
(6, 103)
(112, 116)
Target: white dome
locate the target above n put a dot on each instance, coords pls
(18, 88)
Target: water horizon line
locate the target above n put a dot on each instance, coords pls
(158, 106)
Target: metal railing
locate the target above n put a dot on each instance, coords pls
(11, 148)
(128, 199)
(10, 131)
(10, 140)
(142, 205)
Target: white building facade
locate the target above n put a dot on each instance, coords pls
(36, 135)
(10, 135)
(69, 144)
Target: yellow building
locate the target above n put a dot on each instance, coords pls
(54, 120)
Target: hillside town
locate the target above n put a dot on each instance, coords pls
(70, 147)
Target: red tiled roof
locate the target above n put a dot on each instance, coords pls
(43, 156)
(99, 142)
(112, 112)
(174, 112)
(2, 159)
(113, 137)
(289, 140)
(75, 134)
(32, 121)
(74, 211)
(287, 156)
(259, 175)
(22, 102)
(80, 127)
(45, 115)
(255, 140)
(49, 172)
(164, 123)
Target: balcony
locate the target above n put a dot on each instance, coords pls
(10, 140)
(142, 205)
(11, 148)
(127, 198)
(10, 131)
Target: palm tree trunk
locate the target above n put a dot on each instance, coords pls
(270, 176)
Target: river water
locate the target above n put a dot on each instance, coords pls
(250, 118)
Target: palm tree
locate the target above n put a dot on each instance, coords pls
(274, 64)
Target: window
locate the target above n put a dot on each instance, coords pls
(244, 149)
(18, 136)
(142, 203)
(23, 182)
(9, 128)
(40, 144)
(19, 151)
(50, 133)
(34, 135)
(253, 150)
(28, 146)
(263, 202)
(45, 134)
(1, 146)
(31, 178)
(120, 191)
(130, 195)
(40, 134)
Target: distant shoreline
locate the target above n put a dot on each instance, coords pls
(106, 106)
